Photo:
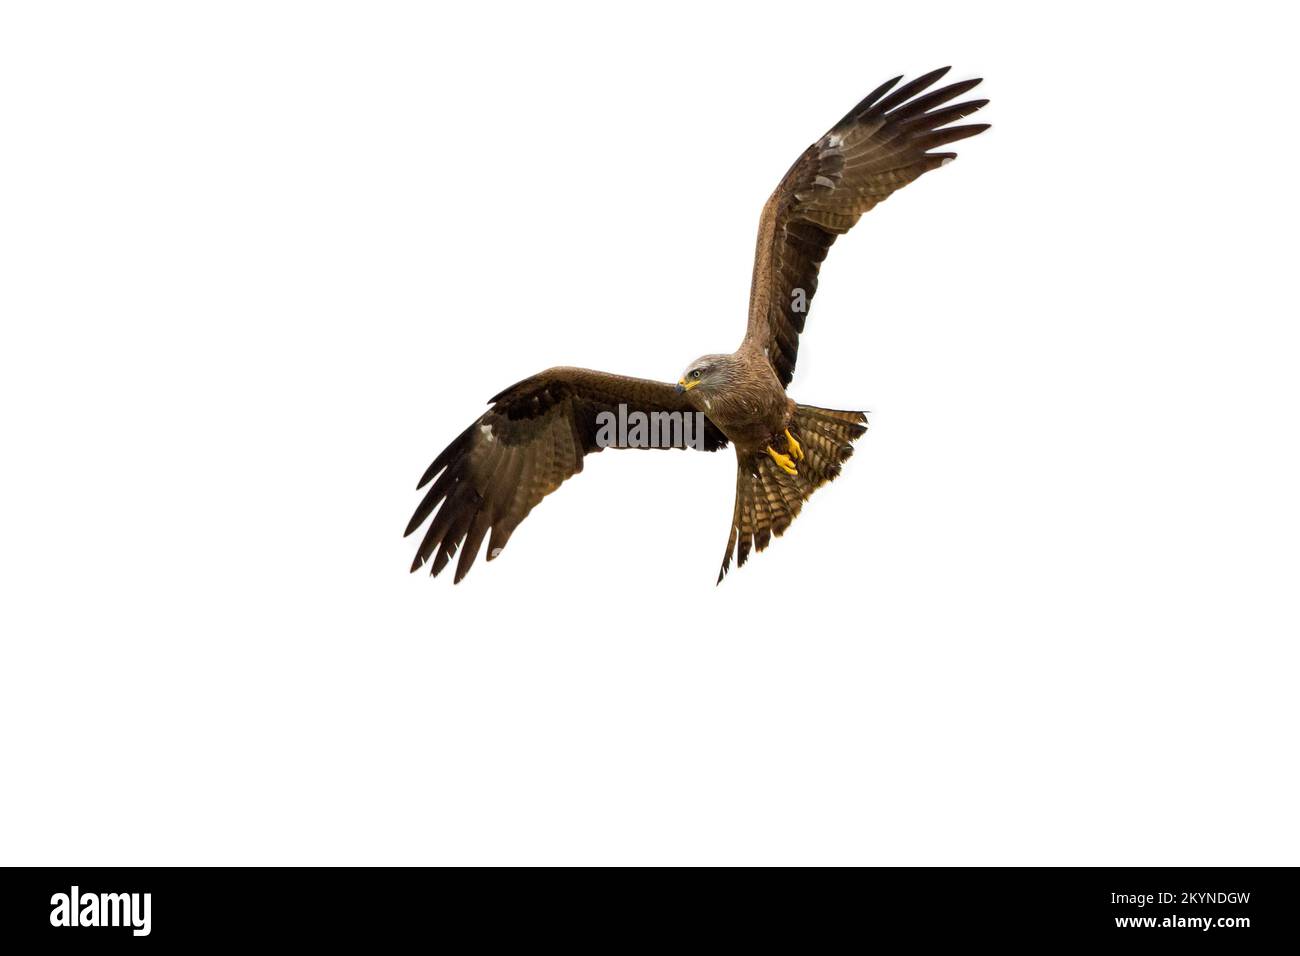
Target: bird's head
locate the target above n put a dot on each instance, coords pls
(708, 374)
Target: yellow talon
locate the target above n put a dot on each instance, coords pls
(795, 448)
(782, 461)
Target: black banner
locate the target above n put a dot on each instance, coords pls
(1222, 908)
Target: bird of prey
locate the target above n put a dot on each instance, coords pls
(537, 432)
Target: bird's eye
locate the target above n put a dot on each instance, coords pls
(695, 374)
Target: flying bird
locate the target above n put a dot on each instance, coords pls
(536, 433)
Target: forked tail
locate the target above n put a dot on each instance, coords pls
(768, 499)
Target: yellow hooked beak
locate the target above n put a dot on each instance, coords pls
(685, 386)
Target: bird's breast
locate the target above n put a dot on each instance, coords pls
(748, 416)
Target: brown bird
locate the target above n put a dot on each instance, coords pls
(536, 432)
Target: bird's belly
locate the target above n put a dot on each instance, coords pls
(750, 422)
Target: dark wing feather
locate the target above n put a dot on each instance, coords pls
(879, 146)
(534, 436)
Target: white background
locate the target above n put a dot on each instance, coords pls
(262, 261)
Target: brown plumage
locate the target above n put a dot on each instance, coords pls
(537, 432)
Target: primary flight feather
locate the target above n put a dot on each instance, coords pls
(537, 432)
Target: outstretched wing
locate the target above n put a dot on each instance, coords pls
(880, 146)
(534, 436)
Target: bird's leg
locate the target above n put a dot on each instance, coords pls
(782, 461)
(796, 450)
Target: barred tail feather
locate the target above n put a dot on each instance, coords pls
(768, 499)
